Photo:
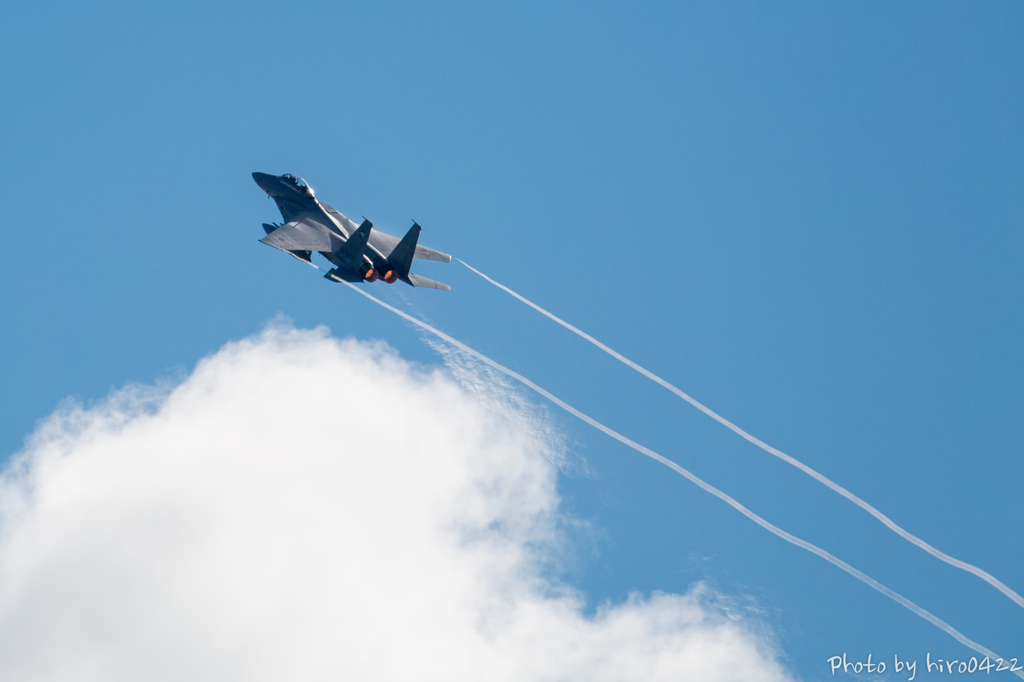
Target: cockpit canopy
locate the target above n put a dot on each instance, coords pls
(298, 183)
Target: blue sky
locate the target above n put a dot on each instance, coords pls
(808, 217)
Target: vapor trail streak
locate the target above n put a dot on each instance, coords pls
(814, 549)
(821, 478)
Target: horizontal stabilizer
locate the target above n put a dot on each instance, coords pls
(305, 257)
(418, 281)
(341, 275)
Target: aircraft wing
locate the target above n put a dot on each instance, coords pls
(298, 236)
(385, 243)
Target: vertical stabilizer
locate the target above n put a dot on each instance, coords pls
(351, 252)
(401, 258)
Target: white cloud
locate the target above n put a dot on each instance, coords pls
(303, 508)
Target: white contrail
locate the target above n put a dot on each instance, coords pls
(821, 478)
(899, 599)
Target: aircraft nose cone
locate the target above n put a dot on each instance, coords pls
(266, 181)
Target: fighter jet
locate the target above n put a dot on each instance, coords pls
(359, 252)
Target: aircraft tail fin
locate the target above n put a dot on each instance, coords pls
(351, 252)
(402, 255)
(418, 281)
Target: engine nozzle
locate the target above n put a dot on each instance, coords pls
(367, 272)
(388, 274)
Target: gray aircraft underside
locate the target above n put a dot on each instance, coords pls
(359, 253)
